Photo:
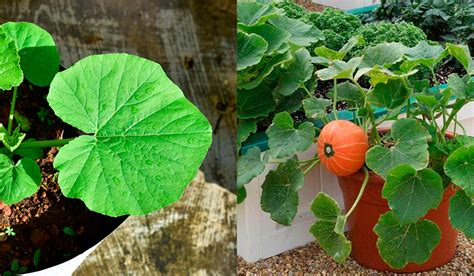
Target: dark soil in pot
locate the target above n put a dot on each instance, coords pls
(372, 205)
(60, 227)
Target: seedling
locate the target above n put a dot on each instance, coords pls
(143, 141)
(9, 231)
(15, 268)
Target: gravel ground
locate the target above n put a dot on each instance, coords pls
(311, 259)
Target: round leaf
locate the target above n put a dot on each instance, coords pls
(400, 244)
(146, 139)
(280, 192)
(460, 168)
(390, 95)
(461, 213)
(284, 140)
(39, 56)
(10, 70)
(18, 181)
(412, 194)
(298, 72)
(411, 148)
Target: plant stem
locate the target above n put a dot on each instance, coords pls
(12, 110)
(452, 115)
(306, 89)
(45, 144)
(361, 192)
(316, 162)
(435, 79)
(334, 104)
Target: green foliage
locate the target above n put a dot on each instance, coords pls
(412, 193)
(292, 10)
(328, 213)
(371, 70)
(402, 32)
(11, 74)
(461, 212)
(143, 140)
(400, 244)
(410, 146)
(285, 140)
(249, 166)
(39, 56)
(337, 26)
(280, 192)
(445, 20)
(138, 116)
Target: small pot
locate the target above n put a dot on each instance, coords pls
(372, 206)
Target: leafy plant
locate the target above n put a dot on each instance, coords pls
(142, 139)
(402, 32)
(10, 232)
(15, 269)
(415, 157)
(337, 26)
(445, 20)
(272, 62)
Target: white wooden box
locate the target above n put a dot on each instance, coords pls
(259, 237)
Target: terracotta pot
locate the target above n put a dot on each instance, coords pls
(367, 213)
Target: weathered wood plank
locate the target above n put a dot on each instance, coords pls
(194, 236)
(194, 40)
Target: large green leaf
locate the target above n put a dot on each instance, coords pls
(411, 194)
(328, 213)
(39, 56)
(425, 54)
(256, 75)
(301, 34)
(244, 129)
(390, 95)
(400, 244)
(251, 13)
(280, 192)
(18, 181)
(384, 54)
(379, 74)
(250, 49)
(284, 140)
(339, 69)
(249, 165)
(460, 168)
(459, 88)
(146, 140)
(275, 37)
(410, 147)
(461, 213)
(296, 74)
(315, 107)
(462, 54)
(10, 70)
(349, 93)
(255, 103)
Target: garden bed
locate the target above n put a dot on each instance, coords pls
(312, 259)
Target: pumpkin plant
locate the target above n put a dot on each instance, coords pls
(141, 140)
(416, 157)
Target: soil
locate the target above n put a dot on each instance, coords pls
(311, 6)
(61, 228)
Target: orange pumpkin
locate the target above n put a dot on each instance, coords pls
(342, 146)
